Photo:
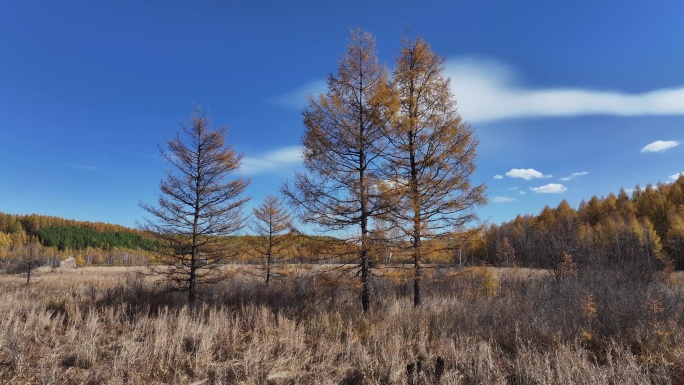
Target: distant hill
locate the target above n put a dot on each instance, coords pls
(64, 234)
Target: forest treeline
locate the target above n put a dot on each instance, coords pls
(49, 239)
(74, 237)
(65, 234)
(96, 243)
(20, 228)
(644, 231)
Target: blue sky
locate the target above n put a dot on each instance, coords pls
(568, 99)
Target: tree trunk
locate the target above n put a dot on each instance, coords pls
(416, 273)
(192, 277)
(268, 268)
(416, 203)
(365, 289)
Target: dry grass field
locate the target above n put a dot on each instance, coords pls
(477, 326)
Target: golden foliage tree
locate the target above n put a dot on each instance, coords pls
(271, 221)
(506, 253)
(198, 205)
(342, 151)
(674, 238)
(634, 236)
(566, 268)
(432, 153)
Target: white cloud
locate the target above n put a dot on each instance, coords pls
(551, 188)
(660, 146)
(498, 176)
(270, 161)
(676, 176)
(297, 99)
(499, 199)
(574, 175)
(488, 91)
(527, 174)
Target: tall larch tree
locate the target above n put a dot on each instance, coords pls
(271, 222)
(432, 155)
(200, 202)
(342, 146)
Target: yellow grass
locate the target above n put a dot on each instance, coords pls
(105, 325)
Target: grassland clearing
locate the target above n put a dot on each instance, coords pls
(102, 325)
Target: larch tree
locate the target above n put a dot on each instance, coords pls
(432, 154)
(342, 146)
(506, 253)
(31, 257)
(674, 238)
(200, 203)
(270, 223)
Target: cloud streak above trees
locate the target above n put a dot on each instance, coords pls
(660, 146)
(551, 188)
(526, 174)
(502, 199)
(271, 161)
(574, 175)
(487, 91)
(296, 99)
(676, 176)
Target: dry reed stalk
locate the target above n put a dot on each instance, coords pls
(106, 327)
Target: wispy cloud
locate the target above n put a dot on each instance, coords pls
(676, 176)
(551, 188)
(660, 146)
(271, 161)
(526, 174)
(574, 175)
(501, 199)
(498, 176)
(297, 99)
(487, 90)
